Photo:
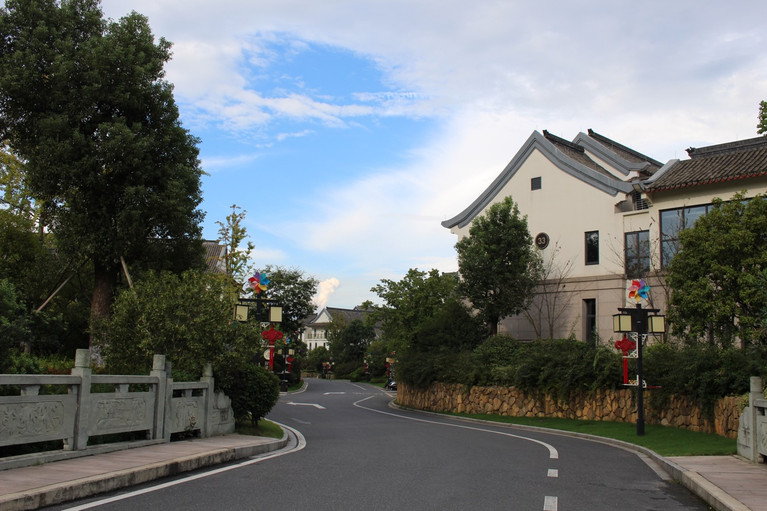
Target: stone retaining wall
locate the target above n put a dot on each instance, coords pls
(609, 405)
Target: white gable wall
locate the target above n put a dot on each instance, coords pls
(566, 208)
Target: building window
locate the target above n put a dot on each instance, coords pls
(592, 247)
(535, 183)
(672, 222)
(637, 245)
(590, 320)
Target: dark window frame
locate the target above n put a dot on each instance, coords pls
(590, 320)
(536, 183)
(637, 253)
(591, 247)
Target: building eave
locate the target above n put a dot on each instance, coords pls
(692, 184)
(611, 186)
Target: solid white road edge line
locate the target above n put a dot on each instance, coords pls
(301, 443)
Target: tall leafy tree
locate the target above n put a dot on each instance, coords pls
(180, 316)
(349, 344)
(718, 277)
(761, 128)
(498, 263)
(232, 234)
(15, 197)
(84, 102)
(409, 302)
(293, 290)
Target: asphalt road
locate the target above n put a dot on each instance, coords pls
(351, 451)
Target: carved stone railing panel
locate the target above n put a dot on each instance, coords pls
(120, 413)
(28, 419)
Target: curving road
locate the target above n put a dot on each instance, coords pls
(352, 451)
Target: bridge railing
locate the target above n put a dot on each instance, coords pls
(79, 408)
(752, 433)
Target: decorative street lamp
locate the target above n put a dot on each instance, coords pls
(638, 322)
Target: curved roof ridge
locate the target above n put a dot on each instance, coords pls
(601, 181)
(616, 153)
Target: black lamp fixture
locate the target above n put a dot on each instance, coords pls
(639, 321)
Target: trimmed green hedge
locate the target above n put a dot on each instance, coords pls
(561, 366)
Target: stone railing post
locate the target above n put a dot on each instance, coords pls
(161, 398)
(82, 414)
(757, 392)
(168, 413)
(207, 377)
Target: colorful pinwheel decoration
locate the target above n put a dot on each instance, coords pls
(639, 290)
(259, 282)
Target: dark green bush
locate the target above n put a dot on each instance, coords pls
(703, 372)
(561, 366)
(550, 366)
(253, 390)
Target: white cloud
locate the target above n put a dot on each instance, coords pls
(657, 76)
(325, 288)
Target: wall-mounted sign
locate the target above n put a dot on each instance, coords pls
(542, 240)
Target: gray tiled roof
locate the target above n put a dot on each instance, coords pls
(336, 313)
(214, 256)
(716, 164)
(575, 152)
(627, 153)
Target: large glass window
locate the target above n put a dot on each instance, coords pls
(637, 246)
(674, 221)
(592, 247)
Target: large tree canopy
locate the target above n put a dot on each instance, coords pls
(293, 291)
(83, 101)
(719, 276)
(498, 264)
(411, 301)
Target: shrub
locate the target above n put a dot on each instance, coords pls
(182, 317)
(253, 390)
(703, 372)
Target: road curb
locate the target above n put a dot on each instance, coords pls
(89, 486)
(696, 483)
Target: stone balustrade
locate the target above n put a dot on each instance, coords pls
(79, 407)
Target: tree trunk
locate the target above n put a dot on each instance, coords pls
(493, 324)
(104, 279)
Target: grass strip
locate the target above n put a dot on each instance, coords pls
(264, 428)
(666, 441)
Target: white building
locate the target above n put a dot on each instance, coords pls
(315, 328)
(598, 211)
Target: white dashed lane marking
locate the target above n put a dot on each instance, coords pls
(550, 504)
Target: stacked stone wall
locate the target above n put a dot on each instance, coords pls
(608, 405)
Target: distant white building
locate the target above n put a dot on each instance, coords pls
(315, 328)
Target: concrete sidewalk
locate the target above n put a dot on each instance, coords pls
(726, 483)
(62, 481)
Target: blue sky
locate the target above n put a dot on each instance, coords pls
(349, 129)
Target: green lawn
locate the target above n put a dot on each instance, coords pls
(663, 440)
(264, 428)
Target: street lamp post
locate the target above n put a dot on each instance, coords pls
(638, 321)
